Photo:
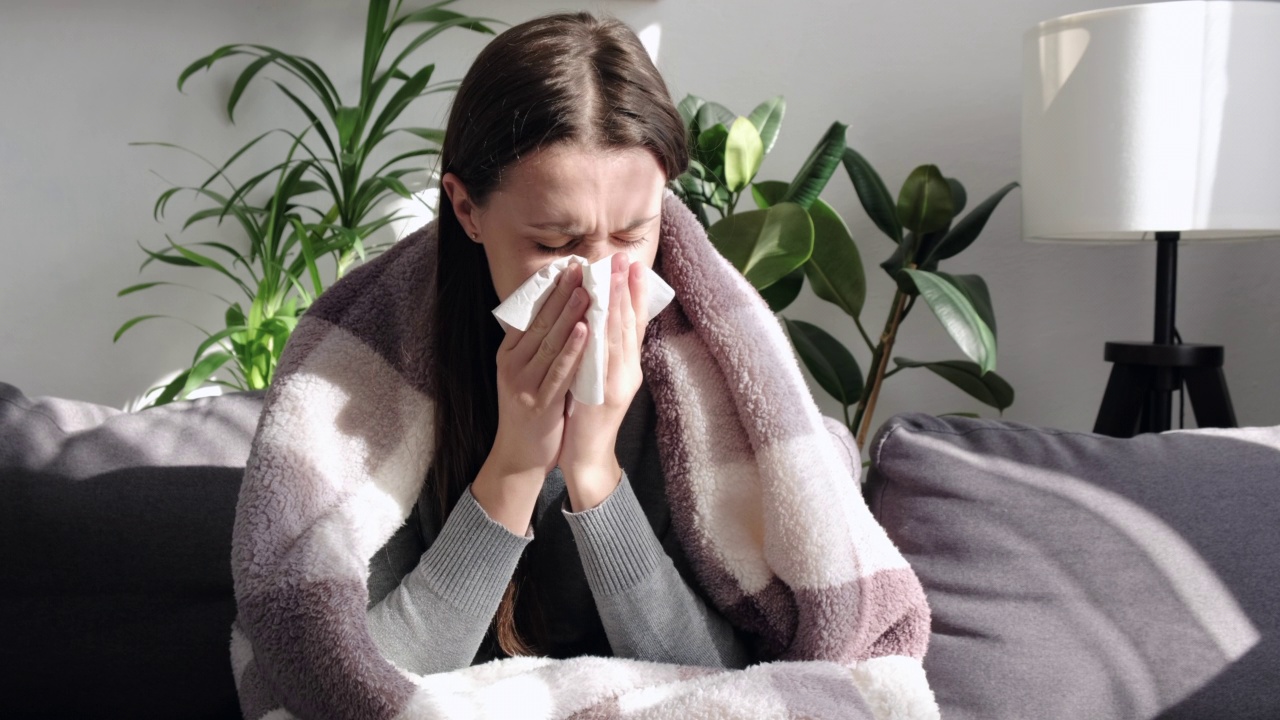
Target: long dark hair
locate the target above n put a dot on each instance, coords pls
(560, 78)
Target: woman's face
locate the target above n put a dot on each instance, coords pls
(564, 200)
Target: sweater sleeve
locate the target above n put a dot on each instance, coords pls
(436, 618)
(648, 610)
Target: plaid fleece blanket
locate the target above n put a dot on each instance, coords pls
(763, 492)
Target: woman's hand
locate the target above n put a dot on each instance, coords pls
(588, 458)
(535, 369)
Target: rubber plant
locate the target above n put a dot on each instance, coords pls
(792, 236)
(324, 198)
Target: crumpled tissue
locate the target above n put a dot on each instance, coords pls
(519, 310)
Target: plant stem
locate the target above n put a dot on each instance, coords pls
(868, 407)
(865, 338)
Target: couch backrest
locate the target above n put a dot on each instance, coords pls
(116, 597)
(1073, 575)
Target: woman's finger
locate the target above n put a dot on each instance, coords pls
(618, 297)
(530, 342)
(554, 341)
(627, 310)
(560, 375)
(640, 300)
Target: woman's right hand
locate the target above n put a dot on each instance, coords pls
(535, 369)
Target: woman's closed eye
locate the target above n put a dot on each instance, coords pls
(560, 249)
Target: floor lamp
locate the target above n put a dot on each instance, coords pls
(1155, 123)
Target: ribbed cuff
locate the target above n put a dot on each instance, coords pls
(472, 559)
(615, 541)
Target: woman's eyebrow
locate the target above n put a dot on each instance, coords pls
(571, 231)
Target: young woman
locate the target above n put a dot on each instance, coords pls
(540, 531)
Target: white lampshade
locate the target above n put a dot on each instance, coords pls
(1157, 117)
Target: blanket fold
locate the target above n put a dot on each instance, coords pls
(763, 492)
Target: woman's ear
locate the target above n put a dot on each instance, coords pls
(463, 208)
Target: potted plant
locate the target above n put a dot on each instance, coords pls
(325, 197)
(793, 236)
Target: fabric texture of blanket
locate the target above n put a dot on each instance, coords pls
(763, 492)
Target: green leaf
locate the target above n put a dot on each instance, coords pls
(784, 292)
(989, 388)
(968, 228)
(835, 269)
(768, 193)
(711, 114)
(131, 322)
(975, 289)
(828, 360)
(873, 194)
(958, 316)
(767, 118)
(304, 237)
(743, 153)
(409, 91)
(140, 286)
(688, 109)
(432, 135)
(958, 196)
(207, 262)
(765, 245)
(243, 81)
(347, 120)
(711, 149)
(171, 390)
(202, 370)
(924, 205)
(397, 187)
(818, 168)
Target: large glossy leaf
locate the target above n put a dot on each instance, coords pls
(989, 388)
(835, 269)
(743, 152)
(958, 316)
(924, 204)
(818, 167)
(784, 292)
(970, 226)
(765, 245)
(958, 196)
(711, 150)
(711, 114)
(975, 289)
(768, 193)
(688, 108)
(767, 117)
(828, 360)
(873, 194)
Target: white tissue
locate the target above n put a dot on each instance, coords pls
(518, 311)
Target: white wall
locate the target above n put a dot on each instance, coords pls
(925, 81)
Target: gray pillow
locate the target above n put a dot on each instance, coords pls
(1074, 575)
(115, 542)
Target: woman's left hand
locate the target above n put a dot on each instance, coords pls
(587, 457)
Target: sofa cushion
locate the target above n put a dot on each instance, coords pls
(1074, 575)
(115, 528)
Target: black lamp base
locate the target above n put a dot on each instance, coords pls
(1143, 378)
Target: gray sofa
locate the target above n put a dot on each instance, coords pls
(1070, 575)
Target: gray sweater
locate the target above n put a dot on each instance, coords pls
(609, 580)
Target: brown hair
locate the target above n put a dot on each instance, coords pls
(565, 78)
